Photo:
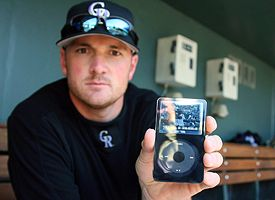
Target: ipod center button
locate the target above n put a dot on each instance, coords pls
(179, 156)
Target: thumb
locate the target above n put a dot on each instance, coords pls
(144, 164)
(148, 142)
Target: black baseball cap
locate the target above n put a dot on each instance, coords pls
(98, 9)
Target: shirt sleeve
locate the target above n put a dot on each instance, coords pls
(40, 164)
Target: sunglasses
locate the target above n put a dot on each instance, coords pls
(115, 26)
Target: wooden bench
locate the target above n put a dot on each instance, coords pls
(244, 163)
(6, 191)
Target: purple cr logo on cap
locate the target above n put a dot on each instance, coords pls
(98, 9)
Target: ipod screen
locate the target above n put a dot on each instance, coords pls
(181, 116)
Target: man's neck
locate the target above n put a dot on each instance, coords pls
(99, 114)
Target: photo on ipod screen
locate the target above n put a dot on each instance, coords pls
(181, 117)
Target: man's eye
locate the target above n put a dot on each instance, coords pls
(115, 53)
(82, 50)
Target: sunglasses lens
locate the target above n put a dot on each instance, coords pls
(89, 24)
(118, 27)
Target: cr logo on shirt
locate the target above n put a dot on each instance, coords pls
(106, 138)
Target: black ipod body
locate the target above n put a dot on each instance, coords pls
(180, 133)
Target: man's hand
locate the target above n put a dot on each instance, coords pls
(152, 190)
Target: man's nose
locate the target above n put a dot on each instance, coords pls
(98, 64)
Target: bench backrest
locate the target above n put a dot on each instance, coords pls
(6, 191)
(244, 163)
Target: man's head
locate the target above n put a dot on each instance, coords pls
(99, 18)
(98, 57)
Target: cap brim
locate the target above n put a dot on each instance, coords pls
(67, 41)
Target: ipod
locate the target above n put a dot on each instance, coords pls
(180, 133)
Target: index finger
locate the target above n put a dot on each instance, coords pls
(210, 124)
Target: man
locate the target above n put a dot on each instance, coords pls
(89, 136)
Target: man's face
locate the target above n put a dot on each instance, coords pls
(98, 69)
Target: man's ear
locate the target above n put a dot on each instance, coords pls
(134, 63)
(63, 61)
